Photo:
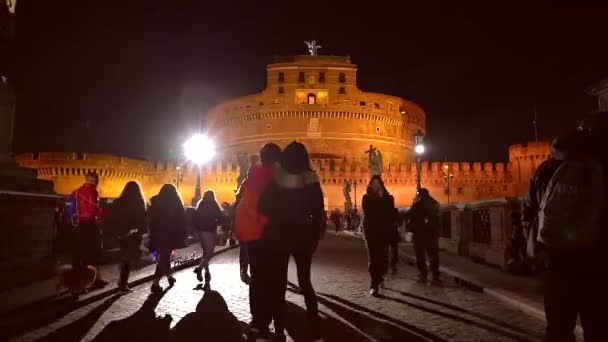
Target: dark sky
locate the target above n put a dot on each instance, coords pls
(133, 78)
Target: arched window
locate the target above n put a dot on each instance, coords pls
(312, 98)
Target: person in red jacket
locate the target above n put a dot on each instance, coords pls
(87, 245)
(249, 228)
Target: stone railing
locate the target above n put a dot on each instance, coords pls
(480, 230)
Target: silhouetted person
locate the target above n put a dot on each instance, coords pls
(87, 245)
(208, 217)
(243, 250)
(167, 231)
(568, 197)
(250, 226)
(127, 218)
(293, 203)
(423, 218)
(393, 244)
(378, 224)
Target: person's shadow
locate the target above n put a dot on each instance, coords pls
(212, 321)
(143, 325)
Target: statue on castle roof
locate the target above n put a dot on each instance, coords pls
(374, 159)
(313, 47)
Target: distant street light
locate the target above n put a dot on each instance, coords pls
(447, 176)
(419, 149)
(199, 149)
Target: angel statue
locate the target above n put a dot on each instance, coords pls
(374, 158)
(313, 47)
(346, 192)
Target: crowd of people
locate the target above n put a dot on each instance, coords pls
(279, 213)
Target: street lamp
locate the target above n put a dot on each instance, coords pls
(199, 149)
(419, 149)
(447, 176)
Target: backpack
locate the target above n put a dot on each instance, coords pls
(70, 210)
(570, 211)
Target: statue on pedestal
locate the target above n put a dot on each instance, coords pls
(374, 157)
(346, 189)
(313, 47)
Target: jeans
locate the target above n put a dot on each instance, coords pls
(427, 246)
(377, 251)
(163, 265)
(574, 285)
(303, 264)
(207, 240)
(243, 257)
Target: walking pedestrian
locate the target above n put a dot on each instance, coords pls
(243, 249)
(127, 219)
(378, 224)
(293, 203)
(423, 218)
(567, 196)
(87, 245)
(250, 226)
(167, 231)
(208, 217)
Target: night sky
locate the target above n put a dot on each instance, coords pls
(134, 78)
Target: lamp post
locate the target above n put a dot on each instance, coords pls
(447, 176)
(199, 149)
(419, 149)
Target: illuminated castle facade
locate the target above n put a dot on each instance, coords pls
(315, 100)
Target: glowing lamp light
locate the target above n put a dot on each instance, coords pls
(419, 149)
(199, 149)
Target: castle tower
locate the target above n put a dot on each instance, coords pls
(524, 160)
(314, 99)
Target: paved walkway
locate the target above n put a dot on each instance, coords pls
(407, 310)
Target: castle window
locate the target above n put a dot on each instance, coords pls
(312, 98)
(377, 129)
(281, 77)
(79, 156)
(301, 77)
(342, 77)
(402, 110)
(281, 90)
(261, 103)
(376, 105)
(35, 155)
(321, 77)
(460, 191)
(342, 91)
(362, 103)
(268, 126)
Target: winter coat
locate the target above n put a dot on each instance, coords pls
(88, 203)
(167, 226)
(249, 223)
(208, 218)
(379, 217)
(122, 218)
(294, 206)
(578, 146)
(423, 218)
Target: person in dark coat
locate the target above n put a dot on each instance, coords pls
(423, 218)
(393, 244)
(167, 231)
(378, 227)
(574, 283)
(129, 213)
(208, 217)
(293, 203)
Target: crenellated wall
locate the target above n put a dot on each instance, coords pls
(470, 181)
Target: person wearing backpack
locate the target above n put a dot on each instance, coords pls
(568, 196)
(423, 217)
(127, 219)
(87, 246)
(250, 225)
(208, 217)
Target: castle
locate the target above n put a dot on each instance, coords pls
(313, 99)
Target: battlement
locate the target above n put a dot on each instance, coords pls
(312, 60)
(532, 150)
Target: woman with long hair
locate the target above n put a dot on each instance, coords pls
(208, 217)
(379, 219)
(167, 231)
(294, 206)
(129, 212)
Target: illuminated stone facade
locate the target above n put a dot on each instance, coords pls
(314, 100)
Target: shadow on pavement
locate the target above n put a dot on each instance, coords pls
(143, 325)
(375, 324)
(459, 309)
(76, 330)
(212, 321)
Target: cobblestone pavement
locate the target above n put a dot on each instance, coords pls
(408, 311)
